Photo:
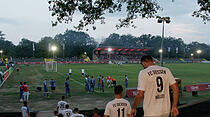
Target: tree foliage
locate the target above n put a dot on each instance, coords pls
(95, 10)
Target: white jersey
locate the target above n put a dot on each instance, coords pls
(155, 81)
(118, 108)
(70, 70)
(25, 111)
(83, 70)
(67, 113)
(61, 106)
(77, 115)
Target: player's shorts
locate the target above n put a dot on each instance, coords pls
(45, 89)
(83, 74)
(52, 88)
(108, 81)
(26, 93)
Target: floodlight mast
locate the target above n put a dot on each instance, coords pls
(162, 20)
(53, 48)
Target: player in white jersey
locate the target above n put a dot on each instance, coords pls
(76, 113)
(118, 107)
(153, 84)
(61, 105)
(67, 112)
(25, 110)
(83, 72)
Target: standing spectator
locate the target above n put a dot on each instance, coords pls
(92, 84)
(45, 88)
(61, 105)
(52, 85)
(21, 91)
(153, 84)
(67, 112)
(67, 86)
(76, 113)
(118, 107)
(25, 110)
(1, 76)
(96, 112)
(25, 91)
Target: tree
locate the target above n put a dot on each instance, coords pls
(2, 35)
(204, 11)
(95, 10)
(25, 48)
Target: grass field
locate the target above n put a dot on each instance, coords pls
(35, 74)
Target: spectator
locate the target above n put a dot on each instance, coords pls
(55, 114)
(25, 110)
(76, 113)
(95, 112)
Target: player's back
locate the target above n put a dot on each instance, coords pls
(118, 108)
(67, 113)
(24, 111)
(77, 115)
(156, 83)
(61, 106)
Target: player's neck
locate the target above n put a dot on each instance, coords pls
(118, 96)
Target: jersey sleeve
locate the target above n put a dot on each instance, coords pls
(171, 78)
(129, 108)
(107, 110)
(141, 81)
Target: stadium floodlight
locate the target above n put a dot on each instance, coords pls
(191, 54)
(85, 53)
(162, 20)
(53, 48)
(160, 51)
(1, 51)
(199, 52)
(109, 49)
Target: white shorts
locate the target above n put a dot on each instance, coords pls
(26, 93)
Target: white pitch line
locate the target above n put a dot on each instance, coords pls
(76, 81)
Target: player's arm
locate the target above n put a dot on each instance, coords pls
(174, 110)
(106, 115)
(138, 99)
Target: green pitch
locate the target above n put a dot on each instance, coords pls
(35, 74)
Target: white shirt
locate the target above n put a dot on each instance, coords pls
(77, 115)
(118, 108)
(70, 70)
(25, 111)
(61, 106)
(67, 113)
(155, 81)
(83, 70)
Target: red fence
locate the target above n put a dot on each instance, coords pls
(198, 87)
(63, 62)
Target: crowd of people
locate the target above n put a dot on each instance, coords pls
(115, 57)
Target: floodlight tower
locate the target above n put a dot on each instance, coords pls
(109, 52)
(162, 20)
(199, 52)
(53, 48)
(1, 51)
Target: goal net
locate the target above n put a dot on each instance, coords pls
(51, 66)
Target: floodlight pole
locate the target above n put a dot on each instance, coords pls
(161, 46)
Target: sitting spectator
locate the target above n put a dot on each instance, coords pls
(95, 112)
(67, 112)
(76, 113)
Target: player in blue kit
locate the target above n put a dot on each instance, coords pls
(52, 85)
(87, 80)
(21, 92)
(126, 81)
(92, 84)
(102, 83)
(99, 80)
(45, 88)
(67, 86)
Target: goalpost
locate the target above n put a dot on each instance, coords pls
(51, 65)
